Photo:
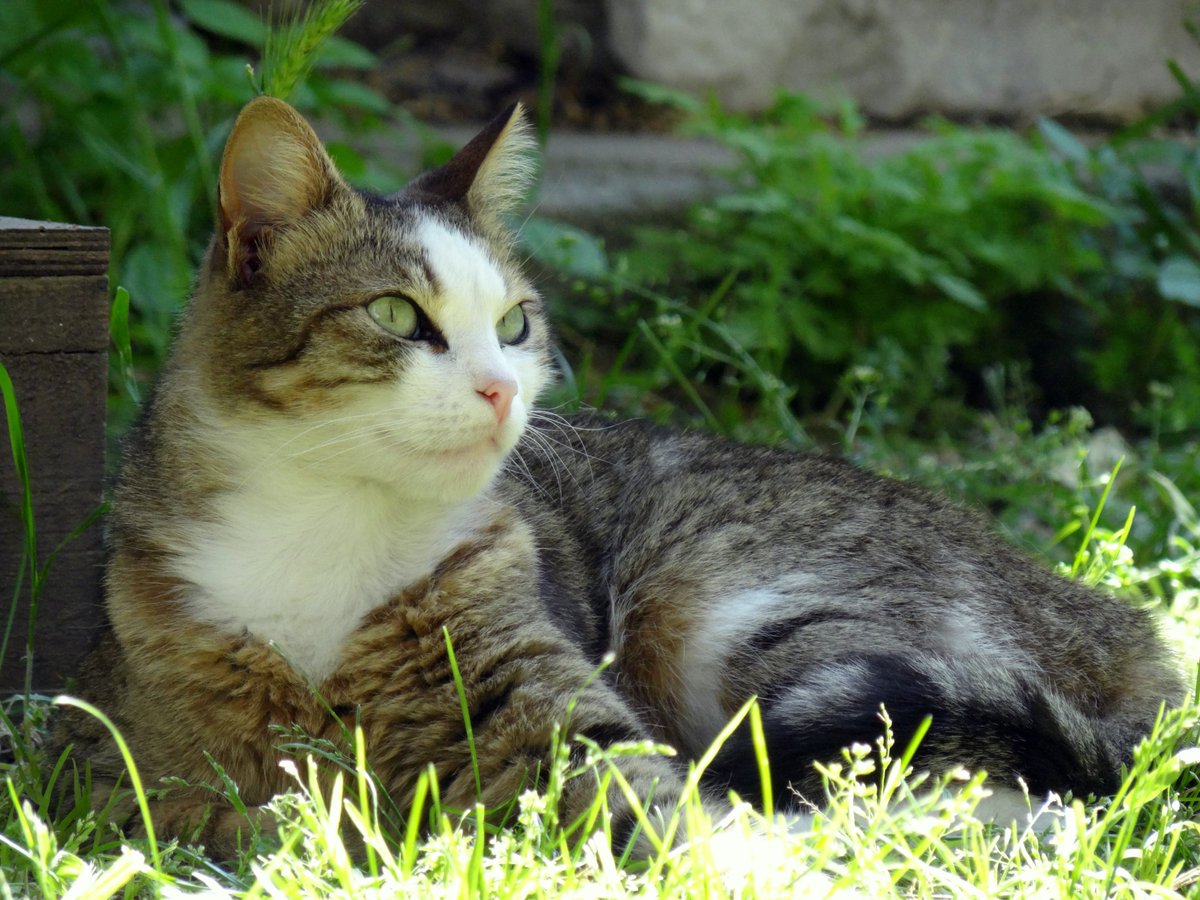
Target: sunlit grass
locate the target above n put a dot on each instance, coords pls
(880, 834)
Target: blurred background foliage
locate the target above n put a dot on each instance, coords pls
(981, 311)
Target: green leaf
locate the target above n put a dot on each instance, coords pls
(1072, 203)
(227, 19)
(118, 329)
(960, 290)
(1069, 146)
(344, 54)
(657, 93)
(570, 250)
(1179, 279)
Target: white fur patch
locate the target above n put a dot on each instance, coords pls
(299, 560)
(827, 693)
(1007, 807)
(725, 621)
(472, 292)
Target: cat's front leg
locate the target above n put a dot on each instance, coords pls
(523, 683)
(522, 678)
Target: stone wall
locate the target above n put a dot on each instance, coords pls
(898, 59)
(902, 58)
(54, 345)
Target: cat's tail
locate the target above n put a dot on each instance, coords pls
(983, 717)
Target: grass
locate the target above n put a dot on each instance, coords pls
(881, 834)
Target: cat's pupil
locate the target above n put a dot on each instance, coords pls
(395, 314)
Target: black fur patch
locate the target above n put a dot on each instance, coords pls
(1023, 739)
(773, 633)
(487, 706)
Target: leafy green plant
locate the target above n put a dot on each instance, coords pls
(1143, 307)
(828, 255)
(974, 249)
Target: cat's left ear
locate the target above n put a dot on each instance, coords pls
(274, 172)
(491, 175)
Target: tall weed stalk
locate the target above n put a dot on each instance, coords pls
(549, 56)
(292, 48)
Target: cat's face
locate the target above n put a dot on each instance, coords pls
(386, 339)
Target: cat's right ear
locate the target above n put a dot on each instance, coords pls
(273, 173)
(491, 175)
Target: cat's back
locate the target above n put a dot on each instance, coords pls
(620, 485)
(716, 567)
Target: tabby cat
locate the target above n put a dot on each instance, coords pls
(343, 458)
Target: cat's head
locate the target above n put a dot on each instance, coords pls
(388, 338)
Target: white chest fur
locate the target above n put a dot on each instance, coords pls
(300, 561)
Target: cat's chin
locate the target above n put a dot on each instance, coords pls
(457, 473)
(483, 450)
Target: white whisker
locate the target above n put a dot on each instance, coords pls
(538, 444)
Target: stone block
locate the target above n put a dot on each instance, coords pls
(899, 59)
(53, 342)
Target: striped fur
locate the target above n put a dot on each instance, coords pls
(312, 499)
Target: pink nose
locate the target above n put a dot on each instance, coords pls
(499, 393)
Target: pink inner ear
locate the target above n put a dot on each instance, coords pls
(247, 256)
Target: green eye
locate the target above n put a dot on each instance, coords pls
(514, 326)
(396, 314)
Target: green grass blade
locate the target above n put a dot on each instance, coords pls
(135, 779)
(366, 793)
(16, 438)
(549, 55)
(37, 860)
(118, 324)
(1081, 554)
(29, 555)
(412, 829)
(466, 712)
(759, 739)
(14, 604)
(88, 521)
(676, 373)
